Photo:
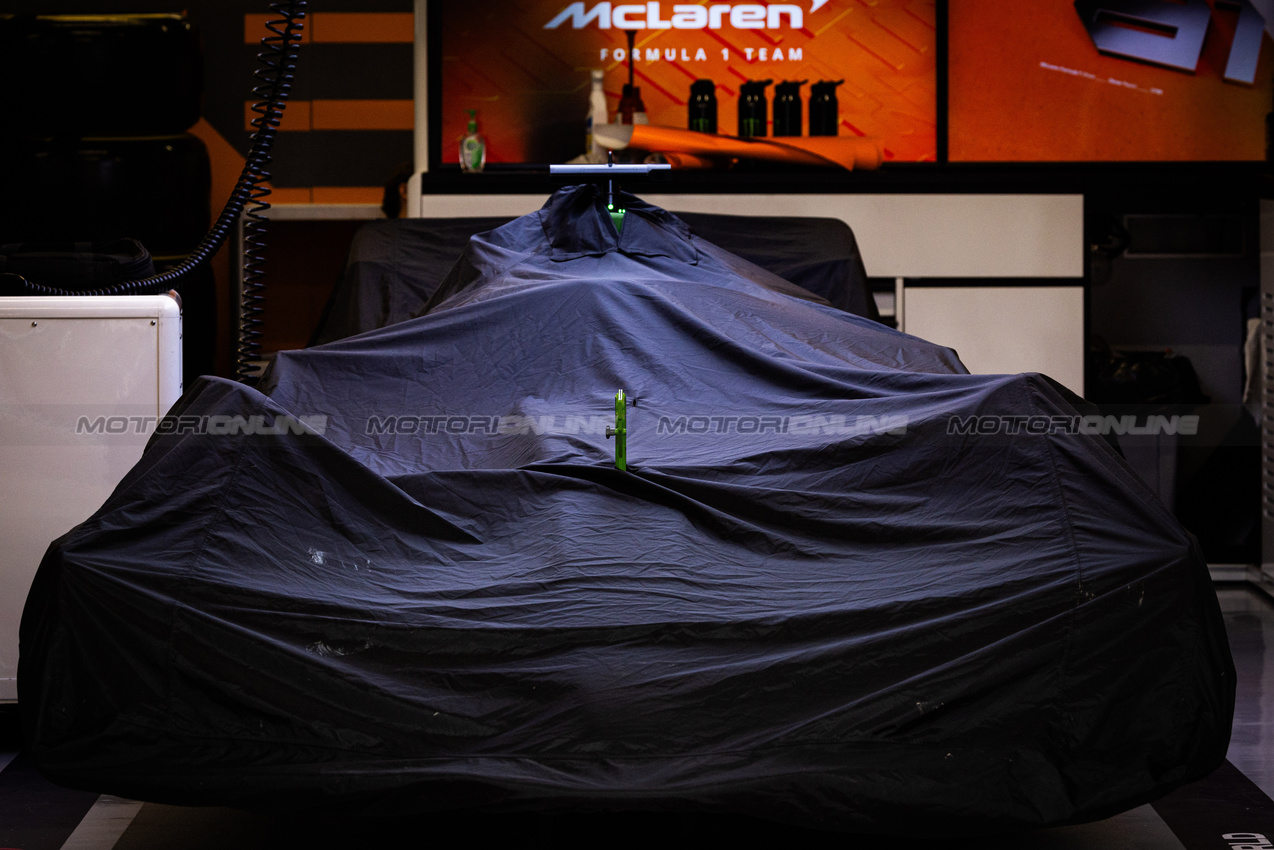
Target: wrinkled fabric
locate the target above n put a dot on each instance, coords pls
(394, 265)
(818, 254)
(807, 598)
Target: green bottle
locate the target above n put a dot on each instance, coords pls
(473, 148)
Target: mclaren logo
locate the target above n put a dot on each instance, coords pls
(712, 16)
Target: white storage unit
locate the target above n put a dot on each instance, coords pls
(1004, 329)
(83, 382)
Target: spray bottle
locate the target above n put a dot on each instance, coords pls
(473, 148)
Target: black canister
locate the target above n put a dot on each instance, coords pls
(787, 108)
(824, 108)
(702, 108)
(752, 108)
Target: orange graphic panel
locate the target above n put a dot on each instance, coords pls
(1027, 83)
(530, 82)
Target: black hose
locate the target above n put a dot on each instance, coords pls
(279, 63)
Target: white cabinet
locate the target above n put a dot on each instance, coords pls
(1003, 329)
(83, 381)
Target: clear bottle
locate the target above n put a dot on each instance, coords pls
(473, 148)
(596, 115)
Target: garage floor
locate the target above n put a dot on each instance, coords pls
(1231, 808)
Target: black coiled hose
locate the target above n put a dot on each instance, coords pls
(278, 59)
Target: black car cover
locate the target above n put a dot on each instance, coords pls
(842, 582)
(394, 265)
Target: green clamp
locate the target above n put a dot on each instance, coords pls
(620, 431)
(616, 217)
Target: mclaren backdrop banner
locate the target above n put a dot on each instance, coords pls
(525, 67)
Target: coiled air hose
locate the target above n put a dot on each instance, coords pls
(278, 60)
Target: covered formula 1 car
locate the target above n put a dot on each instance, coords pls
(828, 589)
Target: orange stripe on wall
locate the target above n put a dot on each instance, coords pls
(341, 115)
(254, 28)
(349, 194)
(328, 195)
(290, 196)
(296, 116)
(341, 28)
(364, 27)
(363, 115)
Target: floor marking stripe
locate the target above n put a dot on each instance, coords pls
(1224, 811)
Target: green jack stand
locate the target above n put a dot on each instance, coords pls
(620, 431)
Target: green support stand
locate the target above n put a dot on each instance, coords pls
(620, 431)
